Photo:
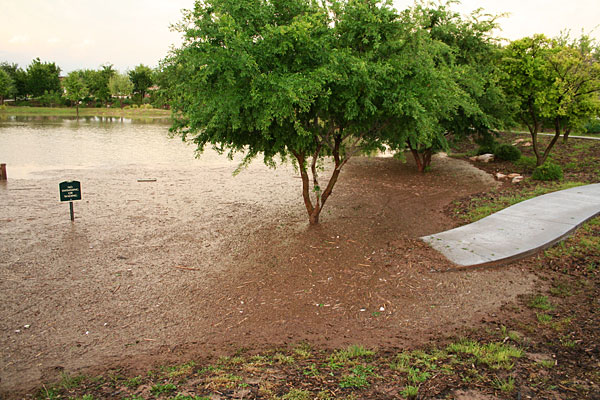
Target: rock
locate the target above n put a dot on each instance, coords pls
(500, 175)
(513, 175)
(517, 179)
(485, 158)
(516, 142)
(526, 144)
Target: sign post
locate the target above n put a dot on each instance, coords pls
(70, 191)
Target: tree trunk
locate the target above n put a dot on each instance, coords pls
(77, 108)
(423, 159)
(566, 135)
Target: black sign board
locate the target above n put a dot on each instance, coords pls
(70, 190)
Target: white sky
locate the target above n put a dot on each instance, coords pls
(80, 34)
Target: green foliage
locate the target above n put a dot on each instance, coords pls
(410, 391)
(507, 152)
(42, 77)
(527, 163)
(494, 355)
(120, 86)
(18, 78)
(159, 388)
(593, 126)
(297, 394)
(75, 88)
(506, 386)
(305, 80)
(352, 352)
(541, 302)
(7, 85)
(141, 77)
(358, 377)
(552, 83)
(548, 172)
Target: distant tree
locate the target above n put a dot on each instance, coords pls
(576, 66)
(75, 88)
(120, 86)
(7, 86)
(42, 77)
(141, 77)
(19, 78)
(553, 83)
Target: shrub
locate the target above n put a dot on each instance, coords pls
(593, 126)
(548, 172)
(527, 163)
(507, 152)
(489, 148)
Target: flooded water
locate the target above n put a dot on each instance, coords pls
(39, 147)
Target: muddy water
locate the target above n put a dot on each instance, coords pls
(104, 284)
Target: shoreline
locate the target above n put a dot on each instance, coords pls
(27, 111)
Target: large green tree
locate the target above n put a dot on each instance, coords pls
(553, 83)
(456, 80)
(42, 77)
(296, 79)
(141, 77)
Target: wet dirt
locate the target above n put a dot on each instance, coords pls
(200, 262)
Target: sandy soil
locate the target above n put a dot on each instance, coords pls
(200, 262)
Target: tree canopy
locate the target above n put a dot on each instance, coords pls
(552, 83)
(42, 77)
(75, 88)
(141, 77)
(120, 86)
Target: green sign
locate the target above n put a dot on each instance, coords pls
(70, 190)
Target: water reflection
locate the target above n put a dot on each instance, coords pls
(37, 147)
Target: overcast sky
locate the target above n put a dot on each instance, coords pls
(80, 34)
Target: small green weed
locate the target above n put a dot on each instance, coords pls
(133, 382)
(297, 394)
(543, 318)
(410, 391)
(494, 355)
(541, 303)
(352, 352)
(506, 386)
(311, 370)
(283, 359)
(358, 377)
(166, 388)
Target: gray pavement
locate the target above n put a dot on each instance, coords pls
(519, 230)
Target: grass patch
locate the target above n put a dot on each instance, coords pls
(479, 208)
(541, 303)
(506, 386)
(85, 112)
(163, 388)
(494, 355)
(358, 378)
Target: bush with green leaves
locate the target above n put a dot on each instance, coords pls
(547, 172)
(527, 163)
(593, 126)
(507, 152)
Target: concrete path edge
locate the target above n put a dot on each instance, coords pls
(520, 230)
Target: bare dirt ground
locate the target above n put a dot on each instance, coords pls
(200, 262)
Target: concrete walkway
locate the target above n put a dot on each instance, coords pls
(519, 230)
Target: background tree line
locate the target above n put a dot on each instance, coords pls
(42, 82)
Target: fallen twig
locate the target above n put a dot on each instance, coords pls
(186, 268)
